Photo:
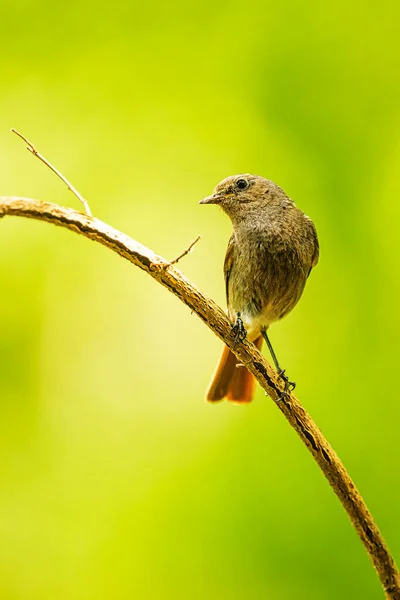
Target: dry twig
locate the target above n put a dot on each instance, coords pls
(44, 160)
(184, 253)
(248, 355)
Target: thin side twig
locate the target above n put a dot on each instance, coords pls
(185, 252)
(32, 149)
(247, 354)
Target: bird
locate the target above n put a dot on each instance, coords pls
(271, 253)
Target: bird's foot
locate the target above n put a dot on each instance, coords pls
(289, 385)
(238, 331)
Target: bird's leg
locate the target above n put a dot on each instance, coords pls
(238, 330)
(289, 385)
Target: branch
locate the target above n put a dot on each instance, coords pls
(212, 315)
(33, 150)
(185, 252)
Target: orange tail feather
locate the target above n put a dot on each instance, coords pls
(232, 382)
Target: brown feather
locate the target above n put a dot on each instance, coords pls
(228, 266)
(231, 381)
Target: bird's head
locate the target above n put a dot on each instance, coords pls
(240, 194)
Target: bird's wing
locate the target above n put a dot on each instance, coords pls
(228, 265)
(315, 256)
(316, 249)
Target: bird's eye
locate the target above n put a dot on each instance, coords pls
(242, 184)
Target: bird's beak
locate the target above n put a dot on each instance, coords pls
(214, 199)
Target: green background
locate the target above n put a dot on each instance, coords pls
(117, 480)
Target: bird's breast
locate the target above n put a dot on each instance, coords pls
(266, 279)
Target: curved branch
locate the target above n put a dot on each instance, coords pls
(212, 315)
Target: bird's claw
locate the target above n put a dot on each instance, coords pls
(238, 331)
(289, 385)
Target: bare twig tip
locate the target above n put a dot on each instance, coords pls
(184, 253)
(44, 160)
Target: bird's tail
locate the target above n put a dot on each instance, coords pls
(232, 381)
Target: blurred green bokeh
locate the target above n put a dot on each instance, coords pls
(117, 480)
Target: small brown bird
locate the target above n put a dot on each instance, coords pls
(270, 254)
